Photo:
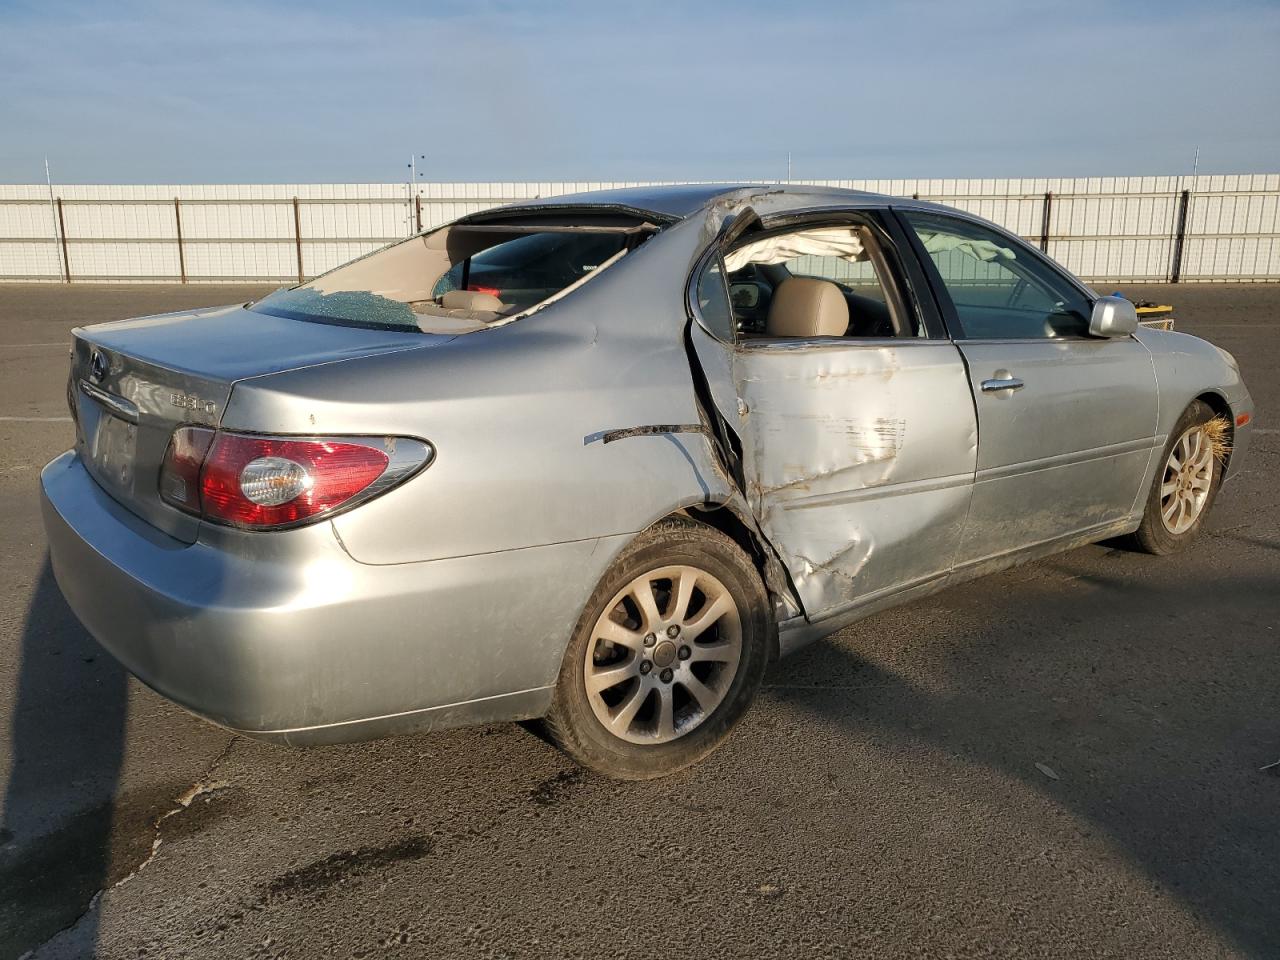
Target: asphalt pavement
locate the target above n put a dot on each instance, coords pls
(1063, 760)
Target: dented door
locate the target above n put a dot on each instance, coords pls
(859, 461)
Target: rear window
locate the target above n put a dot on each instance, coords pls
(347, 308)
(461, 277)
(529, 269)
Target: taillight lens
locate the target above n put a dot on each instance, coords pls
(180, 471)
(255, 481)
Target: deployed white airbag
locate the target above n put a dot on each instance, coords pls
(842, 242)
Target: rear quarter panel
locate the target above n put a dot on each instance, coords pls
(516, 414)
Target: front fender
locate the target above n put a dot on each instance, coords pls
(1188, 368)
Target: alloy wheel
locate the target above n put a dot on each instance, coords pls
(663, 655)
(1188, 477)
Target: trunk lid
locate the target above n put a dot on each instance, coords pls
(132, 383)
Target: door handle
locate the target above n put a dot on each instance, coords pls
(1003, 380)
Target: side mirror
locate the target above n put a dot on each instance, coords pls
(745, 296)
(1113, 317)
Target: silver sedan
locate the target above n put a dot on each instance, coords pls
(598, 459)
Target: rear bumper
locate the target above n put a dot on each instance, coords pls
(283, 636)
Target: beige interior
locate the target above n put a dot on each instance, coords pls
(471, 300)
(406, 272)
(468, 309)
(806, 307)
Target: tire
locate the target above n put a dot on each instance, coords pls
(1159, 535)
(624, 665)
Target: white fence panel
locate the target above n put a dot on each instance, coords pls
(1103, 228)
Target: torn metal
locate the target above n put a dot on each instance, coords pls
(651, 430)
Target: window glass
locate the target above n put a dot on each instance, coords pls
(840, 255)
(713, 301)
(404, 286)
(859, 276)
(529, 269)
(999, 291)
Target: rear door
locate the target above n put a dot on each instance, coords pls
(858, 451)
(1066, 422)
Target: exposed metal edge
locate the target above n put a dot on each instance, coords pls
(652, 430)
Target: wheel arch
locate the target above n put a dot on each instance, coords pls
(1218, 403)
(735, 522)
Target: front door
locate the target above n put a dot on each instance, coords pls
(858, 437)
(1066, 422)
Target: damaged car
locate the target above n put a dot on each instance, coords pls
(596, 460)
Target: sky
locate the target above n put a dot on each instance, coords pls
(135, 91)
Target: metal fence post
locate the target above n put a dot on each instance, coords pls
(297, 235)
(1046, 216)
(62, 231)
(417, 207)
(182, 259)
(1175, 271)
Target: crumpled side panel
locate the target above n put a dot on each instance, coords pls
(859, 460)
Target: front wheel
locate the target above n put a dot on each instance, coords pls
(1185, 485)
(669, 652)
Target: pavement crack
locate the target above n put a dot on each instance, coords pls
(203, 785)
(93, 905)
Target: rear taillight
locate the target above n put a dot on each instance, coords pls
(255, 481)
(180, 471)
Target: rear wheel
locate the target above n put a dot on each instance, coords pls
(1185, 485)
(667, 655)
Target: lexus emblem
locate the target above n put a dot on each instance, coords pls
(97, 366)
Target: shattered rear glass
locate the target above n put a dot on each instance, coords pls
(348, 308)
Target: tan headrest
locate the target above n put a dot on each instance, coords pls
(471, 300)
(805, 307)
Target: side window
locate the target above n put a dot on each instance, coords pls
(713, 301)
(999, 292)
(845, 257)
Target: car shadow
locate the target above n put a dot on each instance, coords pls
(67, 737)
(1152, 727)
